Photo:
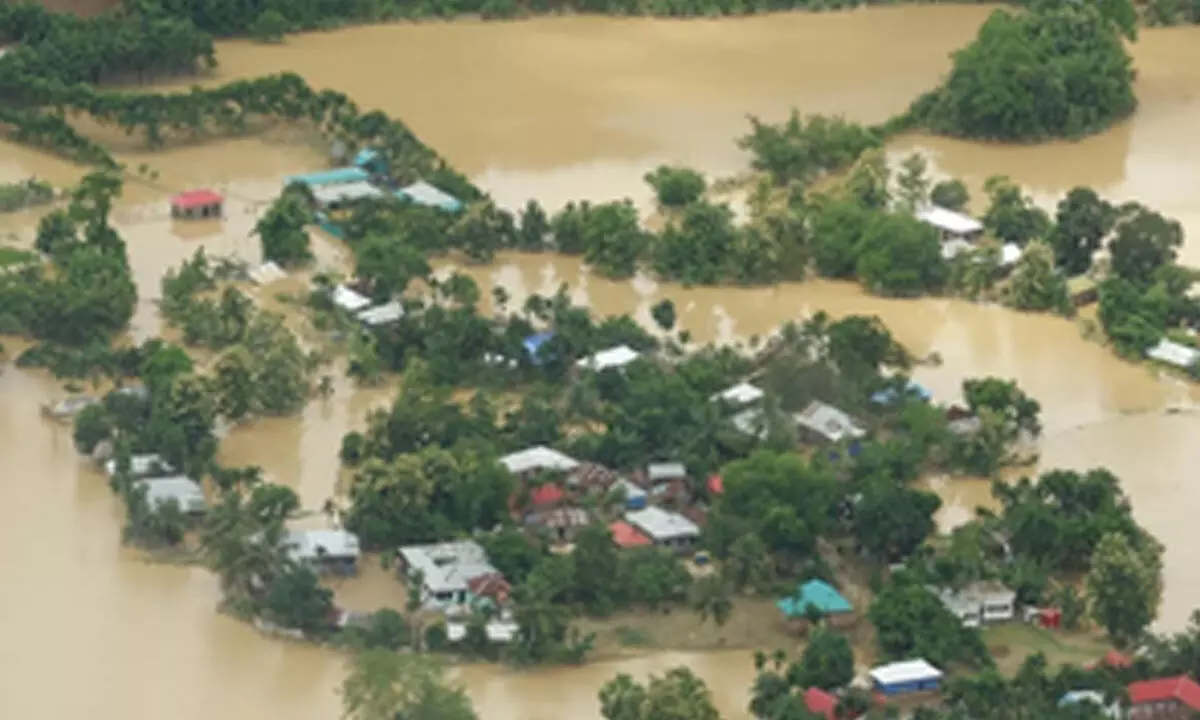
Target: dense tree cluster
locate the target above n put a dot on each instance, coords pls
(1051, 70)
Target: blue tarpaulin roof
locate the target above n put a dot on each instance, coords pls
(533, 344)
(330, 177)
(366, 156)
(883, 397)
(817, 593)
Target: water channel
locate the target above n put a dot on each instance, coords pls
(560, 109)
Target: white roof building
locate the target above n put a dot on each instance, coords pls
(948, 221)
(142, 466)
(662, 526)
(345, 192)
(752, 421)
(500, 632)
(666, 471)
(382, 315)
(829, 422)
(1173, 353)
(537, 458)
(267, 273)
(185, 491)
(348, 300)
(315, 545)
(447, 567)
(908, 671)
(741, 394)
(616, 357)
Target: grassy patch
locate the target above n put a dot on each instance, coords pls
(630, 636)
(15, 256)
(1011, 643)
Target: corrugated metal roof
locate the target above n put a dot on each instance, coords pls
(615, 357)
(538, 457)
(185, 491)
(662, 525)
(905, 672)
(949, 221)
(315, 544)
(349, 300)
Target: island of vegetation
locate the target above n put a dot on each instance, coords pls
(550, 448)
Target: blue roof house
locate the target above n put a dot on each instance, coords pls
(533, 345)
(887, 396)
(338, 176)
(817, 594)
(902, 678)
(370, 160)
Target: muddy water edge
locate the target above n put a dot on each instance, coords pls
(560, 109)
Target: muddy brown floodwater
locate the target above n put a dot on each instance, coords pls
(559, 109)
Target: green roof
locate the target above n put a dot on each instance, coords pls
(820, 595)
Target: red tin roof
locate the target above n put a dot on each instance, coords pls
(1181, 688)
(197, 198)
(625, 535)
(547, 494)
(820, 703)
(716, 485)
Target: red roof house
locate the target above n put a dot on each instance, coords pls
(716, 485)
(820, 703)
(625, 535)
(1114, 659)
(197, 204)
(1172, 697)
(548, 494)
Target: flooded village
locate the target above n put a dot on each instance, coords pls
(562, 110)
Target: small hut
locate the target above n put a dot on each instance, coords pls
(197, 204)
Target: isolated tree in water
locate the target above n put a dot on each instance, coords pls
(384, 685)
(281, 230)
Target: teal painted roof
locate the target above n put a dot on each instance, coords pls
(818, 594)
(331, 177)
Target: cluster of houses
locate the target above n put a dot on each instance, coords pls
(368, 177)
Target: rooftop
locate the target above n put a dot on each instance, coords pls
(904, 672)
(1181, 689)
(185, 491)
(448, 567)
(422, 193)
(889, 395)
(349, 300)
(329, 177)
(741, 394)
(666, 471)
(267, 273)
(820, 703)
(197, 198)
(345, 192)
(829, 422)
(817, 594)
(615, 357)
(141, 466)
(319, 544)
(381, 315)
(626, 535)
(949, 221)
(1173, 353)
(538, 457)
(547, 494)
(662, 525)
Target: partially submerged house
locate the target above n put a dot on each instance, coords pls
(336, 551)
(665, 528)
(815, 596)
(824, 422)
(499, 631)
(912, 388)
(979, 603)
(185, 492)
(143, 466)
(903, 678)
(68, 408)
(952, 226)
(1109, 708)
(613, 358)
(197, 204)
(1175, 354)
(447, 570)
(335, 176)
